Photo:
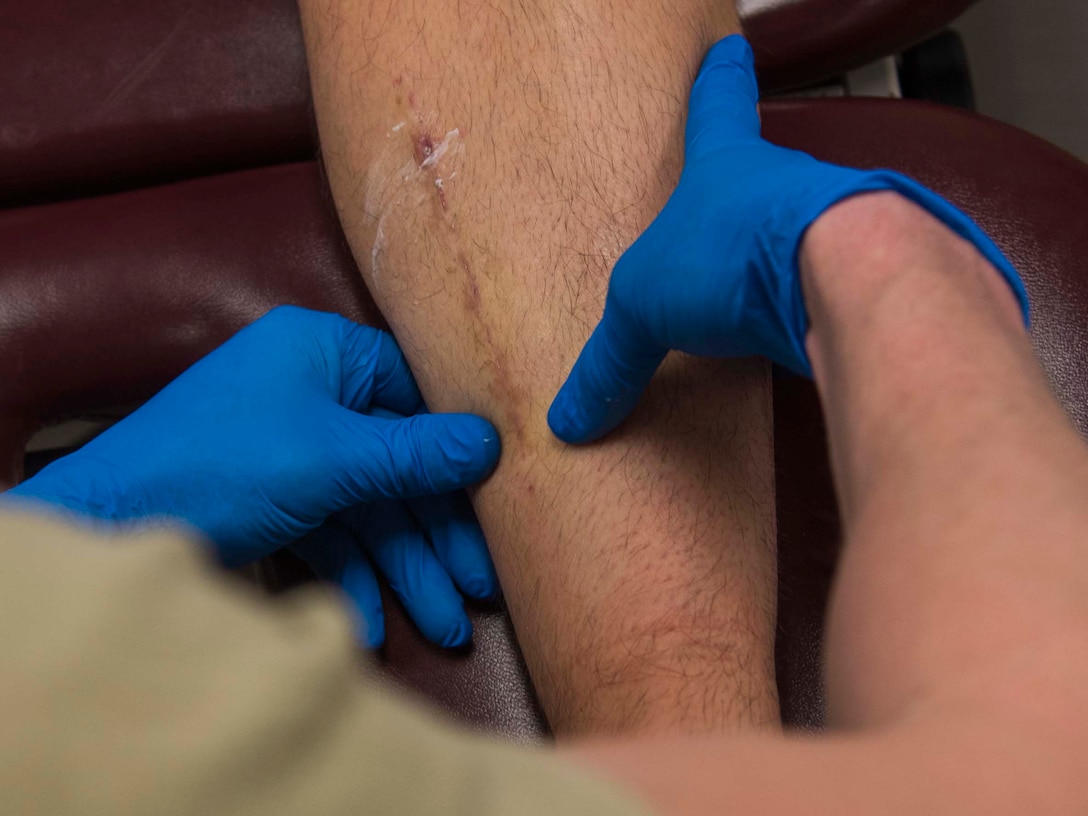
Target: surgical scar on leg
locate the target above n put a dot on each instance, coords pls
(428, 180)
(490, 162)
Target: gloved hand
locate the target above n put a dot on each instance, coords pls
(260, 442)
(716, 273)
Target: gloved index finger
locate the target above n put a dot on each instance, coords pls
(422, 455)
(374, 372)
(606, 382)
(724, 99)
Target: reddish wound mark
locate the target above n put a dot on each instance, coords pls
(472, 300)
(426, 158)
(424, 148)
(501, 383)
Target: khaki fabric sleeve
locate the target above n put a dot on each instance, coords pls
(137, 679)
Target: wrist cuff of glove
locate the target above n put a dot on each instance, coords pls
(796, 356)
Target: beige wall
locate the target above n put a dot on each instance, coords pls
(1029, 60)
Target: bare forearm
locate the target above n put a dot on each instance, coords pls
(957, 651)
(959, 475)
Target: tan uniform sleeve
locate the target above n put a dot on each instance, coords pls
(135, 679)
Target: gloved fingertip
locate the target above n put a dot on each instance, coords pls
(374, 636)
(459, 542)
(458, 636)
(470, 448)
(561, 420)
(370, 628)
(481, 587)
(733, 50)
(491, 448)
(725, 94)
(611, 372)
(359, 584)
(568, 419)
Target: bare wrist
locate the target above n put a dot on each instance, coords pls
(864, 250)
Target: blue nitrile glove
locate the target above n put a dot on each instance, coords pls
(716, 273)
(403, 538)
(264, 439)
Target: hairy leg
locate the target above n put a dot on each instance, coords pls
(490, 161)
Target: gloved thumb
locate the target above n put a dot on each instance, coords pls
(606, 382)
(724, 100)
(422, 455)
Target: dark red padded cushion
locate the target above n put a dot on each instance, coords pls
(111, 95)
(798, 42)
(117, 94)
(102, 301)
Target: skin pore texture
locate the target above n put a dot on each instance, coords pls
(490, 162)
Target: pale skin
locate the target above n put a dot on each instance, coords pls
(490, 162)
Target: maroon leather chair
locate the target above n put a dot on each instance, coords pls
(798, 42)
(104, 299)
(118, 94)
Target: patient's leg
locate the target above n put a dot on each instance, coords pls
(490, 161)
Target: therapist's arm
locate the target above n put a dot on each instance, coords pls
(956, 650)
(136, 679)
